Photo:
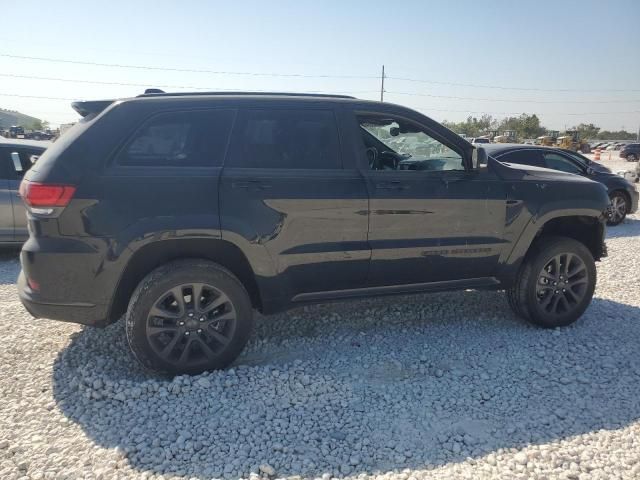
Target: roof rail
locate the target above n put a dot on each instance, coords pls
(155, 92)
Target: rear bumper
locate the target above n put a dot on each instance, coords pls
(75, 312)
(66, 279)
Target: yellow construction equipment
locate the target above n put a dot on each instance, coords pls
(571, 141)
(508, 136)
(549, 139)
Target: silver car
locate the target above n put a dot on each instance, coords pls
(16, 157)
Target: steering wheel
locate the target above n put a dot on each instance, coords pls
(372, 156)
(389, 159)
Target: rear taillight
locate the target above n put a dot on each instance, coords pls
(43, 195)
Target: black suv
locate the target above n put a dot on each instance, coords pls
(185, 212)
(622, 193)
(630, 152)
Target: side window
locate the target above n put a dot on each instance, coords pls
(522, 157)
(393, 144)
(27, 158)
(303, 139)
(558, 162)
(16, 161)
(6, 164)
(176, 139)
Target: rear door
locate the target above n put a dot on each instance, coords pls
(290, 193)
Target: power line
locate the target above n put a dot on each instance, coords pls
(151, 84)
(521, 100)
(413, 94)
(184, 70)
(500, 87)
(429, 108)
(302, 75)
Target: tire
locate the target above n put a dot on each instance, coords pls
(533, 296)
(632, 157)
(618, 208)
(212, 331)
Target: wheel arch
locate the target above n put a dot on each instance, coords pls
(586, 229)
(150, 256)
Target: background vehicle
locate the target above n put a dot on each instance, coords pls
(571, 141)
(16, 158)
(15, 132)
(508, 136)
(186, 211)
(547, 140)
(480, 140)
(622, 193)
(630, 152)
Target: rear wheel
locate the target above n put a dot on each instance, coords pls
(555, 284)
(187, 317)
(618, 208)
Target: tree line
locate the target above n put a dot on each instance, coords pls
(528, 126)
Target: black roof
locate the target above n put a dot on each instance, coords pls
(150, 92)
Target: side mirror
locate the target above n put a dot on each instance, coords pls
(17, 164)
(478, 157)
(590, 171)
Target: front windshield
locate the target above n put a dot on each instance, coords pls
(409, 143)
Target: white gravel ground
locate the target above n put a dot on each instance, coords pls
(441, 386)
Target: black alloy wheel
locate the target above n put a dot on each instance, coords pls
(190, 323)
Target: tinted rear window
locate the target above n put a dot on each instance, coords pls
(195, 138)
(523, 157)
(305, 139)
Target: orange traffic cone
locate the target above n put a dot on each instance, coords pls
(597, 157)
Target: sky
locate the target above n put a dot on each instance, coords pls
(567, 61)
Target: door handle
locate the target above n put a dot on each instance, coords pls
(392, 185)
(251, 185)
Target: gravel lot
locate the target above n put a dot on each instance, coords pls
(437, 386)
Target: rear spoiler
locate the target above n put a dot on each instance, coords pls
(91, 106)
(96, 106)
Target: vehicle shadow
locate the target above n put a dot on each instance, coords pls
(430, 380)
(629, 228)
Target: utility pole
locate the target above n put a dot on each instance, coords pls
(382, 86)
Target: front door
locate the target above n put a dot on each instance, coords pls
(431, 220)
(287, 195)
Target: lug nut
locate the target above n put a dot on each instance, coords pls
(199, 330)
(191, 314)
(556, 292)
(181, 324)
(202, 319)
(186, 334)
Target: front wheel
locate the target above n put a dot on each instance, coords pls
(555, 284)
(617, 209)
(187, 317)
(632, 157)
